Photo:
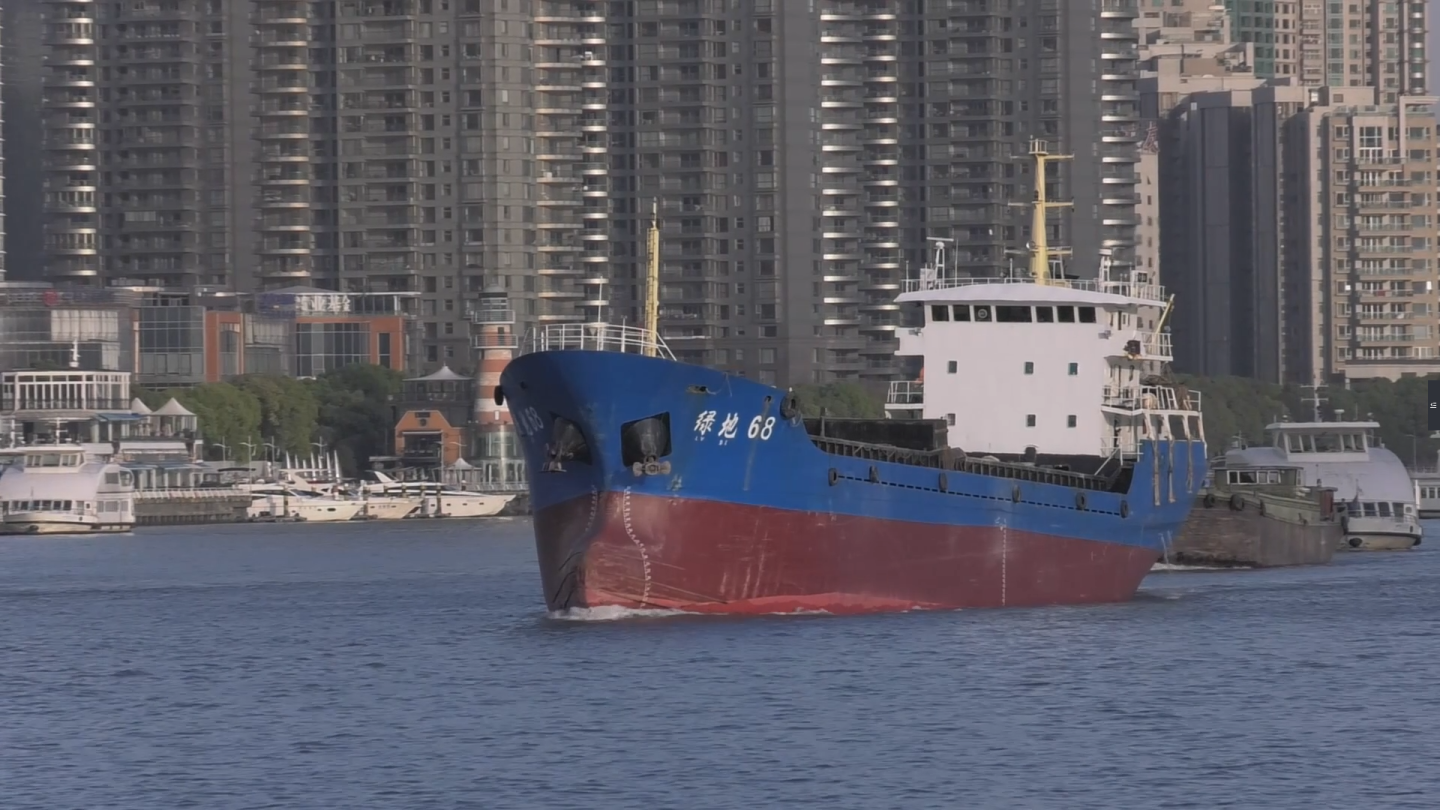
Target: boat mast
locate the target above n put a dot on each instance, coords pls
(1315, 399)
(1040, 250)
(652, 279)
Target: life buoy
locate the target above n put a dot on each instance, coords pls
(1209, 500)
(944, 483)
(1080, 501)
(1237, 503)
(499, 396)
(834, 476)
(1124, 509)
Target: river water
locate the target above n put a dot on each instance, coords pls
(411, 665)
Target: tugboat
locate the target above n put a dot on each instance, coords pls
(1259, 517)
(1050, 458)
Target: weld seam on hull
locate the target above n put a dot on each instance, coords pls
(644, 555)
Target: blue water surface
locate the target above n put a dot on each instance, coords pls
(411, 665)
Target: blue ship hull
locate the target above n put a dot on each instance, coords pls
(678, 486)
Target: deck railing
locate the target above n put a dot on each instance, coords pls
(1150, 397)
(596, 337)
(906, 394)
(1148, 292)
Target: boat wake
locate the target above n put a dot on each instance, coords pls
(613, 614)
(1174, 568)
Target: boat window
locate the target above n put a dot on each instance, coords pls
(1065, 314)
(982, 312)
(112, 478)
(1012, 314)
(1384, 508)
(939, 312)
(125, 479)
(1029, 367)
(1044, 314)
(1074, 369)
(1327, 443)
(1368, 508)
(1030, 420)
(962, 312)
(952, 367)
(1087, 315)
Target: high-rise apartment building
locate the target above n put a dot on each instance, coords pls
(1338, 43)
(799, 156)
(1369, 171)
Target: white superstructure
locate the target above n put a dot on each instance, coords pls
(1068, 367)
(1044, 366)
(62, 489)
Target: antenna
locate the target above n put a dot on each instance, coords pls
(652, 280)
(1040, 250)
(1315, 399)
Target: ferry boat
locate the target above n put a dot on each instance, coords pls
(62, 489)
(439, 500)
(1053, 461)
(1374, 495)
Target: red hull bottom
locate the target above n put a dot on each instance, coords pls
(640, 551)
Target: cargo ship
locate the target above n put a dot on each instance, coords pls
(1046, 458)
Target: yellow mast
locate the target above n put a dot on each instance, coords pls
(1040, 250)
(652, 279)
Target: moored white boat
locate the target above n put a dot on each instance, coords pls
(440, 500)
(278, 502)
(386, 507)
(61, 489)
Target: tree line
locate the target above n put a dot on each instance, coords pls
(259, 416)
(1236, 407)
(348, 410)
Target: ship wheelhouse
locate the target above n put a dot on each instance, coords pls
(1061, 368)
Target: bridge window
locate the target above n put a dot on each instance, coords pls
(1065, 314)
(1012, 314)
(1029, 420)
(939, 312)
(1070, 421)
(1087, 315)
(1029, 367)
(1044, 314)
(1074, 369)
(962, 312)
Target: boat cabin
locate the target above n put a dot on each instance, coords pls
(1330, 441)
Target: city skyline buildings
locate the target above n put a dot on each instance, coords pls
(800, 156)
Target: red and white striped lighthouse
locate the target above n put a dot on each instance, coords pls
(495, 345)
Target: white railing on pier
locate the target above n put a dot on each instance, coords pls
(905, 394)
(1149, 398)
(596, 337)
(1129, 289)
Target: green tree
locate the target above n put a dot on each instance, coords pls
(288, 410)
(839, 399)
(355, 415)
(226, 414)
